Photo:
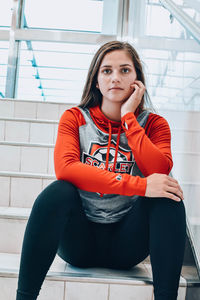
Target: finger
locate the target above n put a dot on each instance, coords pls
(135, 87)
(172, 196)
(175, 191)
(140, 83)
(172, 179)
(174, 183)
(141, 88)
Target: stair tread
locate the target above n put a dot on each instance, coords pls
(60, 270)
(27, 174)
(35, 101)
(13, 119)
(14, 212)
(26, 144)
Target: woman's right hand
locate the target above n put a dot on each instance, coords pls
(161, 185)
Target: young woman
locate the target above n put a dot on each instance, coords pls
(113, 203)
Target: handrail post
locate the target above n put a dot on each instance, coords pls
(13, 54)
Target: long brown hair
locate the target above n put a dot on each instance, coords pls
(91, 95)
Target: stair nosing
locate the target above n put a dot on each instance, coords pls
(66, 276)
(27, 175)
(29, 120)
(35, 101)
(26, 144)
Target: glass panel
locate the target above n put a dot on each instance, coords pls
(173, 78)
(3, 67)
(82, 15)
(5, 13)
(173, 75)
(168, 27)
(53, 71)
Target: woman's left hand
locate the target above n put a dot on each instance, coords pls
(131, 104)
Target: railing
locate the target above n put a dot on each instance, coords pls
(185, 20)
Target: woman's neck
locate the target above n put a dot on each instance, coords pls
(112, 111)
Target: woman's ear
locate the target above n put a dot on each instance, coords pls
(97, 85)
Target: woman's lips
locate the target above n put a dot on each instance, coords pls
(116, 88)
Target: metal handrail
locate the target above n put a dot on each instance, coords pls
(185, 20)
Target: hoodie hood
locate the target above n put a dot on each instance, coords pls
(103, 123)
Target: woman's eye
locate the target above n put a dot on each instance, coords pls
(106, 71)
(125, 70)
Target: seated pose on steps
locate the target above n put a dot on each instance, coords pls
(114, 202)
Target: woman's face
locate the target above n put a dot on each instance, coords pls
(115, 76)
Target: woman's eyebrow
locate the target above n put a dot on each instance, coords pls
(106, 66)
(109, 66)
(126, 65)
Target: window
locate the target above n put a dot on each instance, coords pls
(3, 66)
(53, 71)
(82, 15)
(5, 14)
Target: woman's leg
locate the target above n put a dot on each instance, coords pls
(51, 214)
(167, 246)
(156, 226)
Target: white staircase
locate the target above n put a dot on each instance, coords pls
(27, 135)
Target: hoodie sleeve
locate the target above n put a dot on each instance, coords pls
(89, 178)
(151, 146)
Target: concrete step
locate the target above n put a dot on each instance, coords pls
(14, 108)
(12, 226)
(28, 130)
(19, 189)
(65, 282)
(27, 157)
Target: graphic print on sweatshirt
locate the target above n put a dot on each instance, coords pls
(96, 156)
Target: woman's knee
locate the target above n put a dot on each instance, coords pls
(167, 204)
(57, 194)
(168, 211)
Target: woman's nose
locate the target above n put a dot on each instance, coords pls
(115, 77)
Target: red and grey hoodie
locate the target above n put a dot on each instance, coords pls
(109, 161)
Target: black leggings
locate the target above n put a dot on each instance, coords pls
(58, 224)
